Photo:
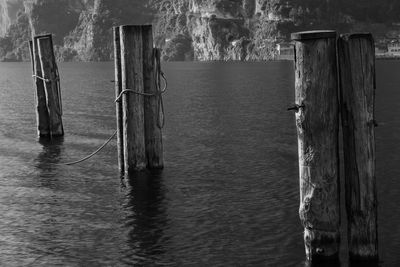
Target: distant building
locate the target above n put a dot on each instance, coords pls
(394, 49)
(284, 51)
(380, 48)
(380, 51)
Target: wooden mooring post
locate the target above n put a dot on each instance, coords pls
(317, 121)
(48, 93)
(357, 87)
(42, 118)
(152, 112)
(138, 99)
(118, 105)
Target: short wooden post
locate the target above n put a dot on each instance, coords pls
(133, 102)
(153, 134)
(357, 84)
(51, 84)
(42, 116)
(317, 121)
(118, 104)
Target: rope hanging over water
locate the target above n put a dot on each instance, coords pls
(158, 75)
(94, 153)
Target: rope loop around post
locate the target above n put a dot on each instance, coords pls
(131, 91)
(159, 92)
(158, 73)
(58, 84)
(41, 78)
(45, 79)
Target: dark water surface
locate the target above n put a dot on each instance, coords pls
(228, 195)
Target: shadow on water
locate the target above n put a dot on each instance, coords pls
(338, 264)
(47, 161)
(318, 263)
(365, 264)
(146, 217)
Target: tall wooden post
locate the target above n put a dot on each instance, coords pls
(317, 121)
(153, 135)
(133, 102)
(51, 84)
(357, 84)
(118, 104)
(137, 65)
(42, 116)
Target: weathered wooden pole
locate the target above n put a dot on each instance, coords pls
(357, 87)
(317, 121)
(32, 57)
(118, 104)
(151, 68)
(51, 84)
(133, 101)
(42, 116)
(137, 83)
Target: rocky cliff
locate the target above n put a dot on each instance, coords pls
(82, 29)
(5, 20)
(8, 14)
(92, 37)
(231, 29)
(252, 29)
(186, 29)
(14, 31)
(205, 30)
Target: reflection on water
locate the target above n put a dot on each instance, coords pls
(366, 264)
(350, 264)
(146, 217)
(323, 264)
(49, 157)
(340, 263)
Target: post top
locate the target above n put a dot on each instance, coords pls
(308, 35)
(134, 26)
(49, 35)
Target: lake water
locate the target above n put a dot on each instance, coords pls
(228, 195)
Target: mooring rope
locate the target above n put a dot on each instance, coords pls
(132, 91)
(58, 85)
(41, 78)
(95, 152)
(160, 105)
(158, 74)
(59, 91)
(47, 80)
